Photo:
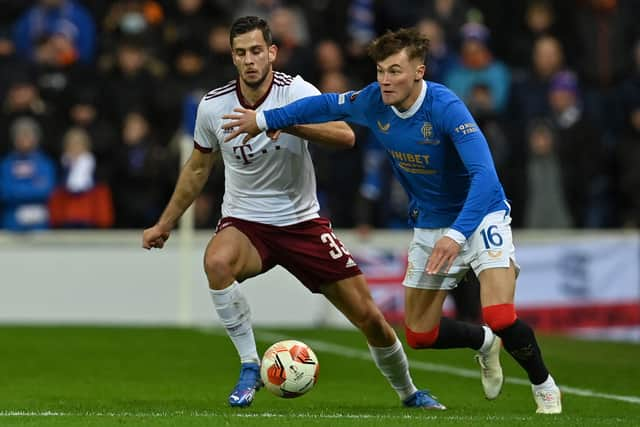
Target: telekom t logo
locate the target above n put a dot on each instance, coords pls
(244, 150)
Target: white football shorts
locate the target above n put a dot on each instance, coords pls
(490, 246)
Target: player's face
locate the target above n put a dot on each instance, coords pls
(252, 57)
(399, 79)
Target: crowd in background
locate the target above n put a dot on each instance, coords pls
(95, 101)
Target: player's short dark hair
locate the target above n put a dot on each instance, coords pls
(392, 42)
(246, 24)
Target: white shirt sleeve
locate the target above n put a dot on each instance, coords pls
(204, 134)
(301, 88)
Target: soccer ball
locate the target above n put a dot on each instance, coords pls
(289, 368)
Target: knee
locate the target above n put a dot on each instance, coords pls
(218, 269)
(374, 326)
(419, 340)
(372, 321)
(499, 316)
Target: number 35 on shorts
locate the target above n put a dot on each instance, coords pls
(336, 249)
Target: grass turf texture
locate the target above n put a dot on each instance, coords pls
(72, 376)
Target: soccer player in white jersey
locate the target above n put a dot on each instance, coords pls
(270, 214)
(456, 205)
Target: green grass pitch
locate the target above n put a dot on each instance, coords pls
(99, 376)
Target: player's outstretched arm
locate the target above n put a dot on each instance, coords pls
(193, 176)
(331, 134)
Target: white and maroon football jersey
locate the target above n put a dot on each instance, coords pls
(266, 181)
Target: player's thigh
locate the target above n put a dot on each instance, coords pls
(420, 250)
(491, 254)
(231, 252)
(497, 285)
(423, 308)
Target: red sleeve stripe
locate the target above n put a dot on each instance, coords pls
(201, 148)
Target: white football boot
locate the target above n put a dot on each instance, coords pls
(490, 369)
(548, 399)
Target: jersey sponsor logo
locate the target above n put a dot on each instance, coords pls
(383, 128)
(466, 128)
(422, 159)
(243, 152)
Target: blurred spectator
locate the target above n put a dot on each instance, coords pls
(144, 174)
(261, 8)
(478, 67)
(67, 23)
(218, 67)
(606, 30)
(327, 19)
(482, 105)
(579, 149)
(539, 21)
(546, 205)
(187, 77)
(290, 35)
(451, 15)
(441, 58)
(530, 88)
(628, 159)
(628, 149)
(629, 91)
(338, 171)
(27, 178)
(141, 19)
(187, 20)
(78, 162)
(84, 113)
(57, 72)
(381, 201)
(80, 201)
(23, 99)
(529, 99)
(328, 58)
(361, 29)
(132, 82)
(8, 61)
(391, 15)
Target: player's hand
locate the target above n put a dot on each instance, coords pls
(242, 121)
(154, 237)
(274, 134)
(444, 253)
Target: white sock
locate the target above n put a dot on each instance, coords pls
(488, 339)
(392, 362)
(233, 311)
(548, 383)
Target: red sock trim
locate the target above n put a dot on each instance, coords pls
(499, 316)
(421, 339)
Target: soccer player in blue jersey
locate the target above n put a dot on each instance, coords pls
(457, 205)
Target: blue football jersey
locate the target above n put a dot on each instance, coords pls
(438, 153)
